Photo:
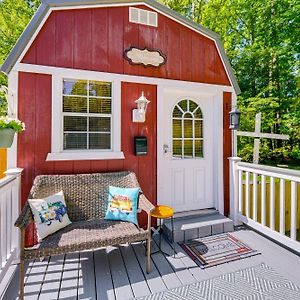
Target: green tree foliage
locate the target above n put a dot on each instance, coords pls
(261, 38)
(14, 16)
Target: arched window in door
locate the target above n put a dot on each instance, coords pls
(187, 130)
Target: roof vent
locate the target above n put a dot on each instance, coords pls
(142, 16)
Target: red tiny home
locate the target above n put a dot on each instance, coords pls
(75, 75)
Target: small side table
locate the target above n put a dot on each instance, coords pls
(163, 212)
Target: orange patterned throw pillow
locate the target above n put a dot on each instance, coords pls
(122, 204)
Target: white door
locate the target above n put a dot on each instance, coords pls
(185, 165)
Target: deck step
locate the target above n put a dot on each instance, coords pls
(192, 227)
(196, 213)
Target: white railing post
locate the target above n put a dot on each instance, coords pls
(16, 208)
(9, 235)
(234, 189)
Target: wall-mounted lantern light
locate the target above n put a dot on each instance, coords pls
(139, 114)
(234, 119)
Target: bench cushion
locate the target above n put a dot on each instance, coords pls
(84, 235)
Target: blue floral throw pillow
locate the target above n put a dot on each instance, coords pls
(50, 214)
(122, 204)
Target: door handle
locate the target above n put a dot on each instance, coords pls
(166, 148)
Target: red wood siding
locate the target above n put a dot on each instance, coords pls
(95, 39)
(35, 143)
(226, 149)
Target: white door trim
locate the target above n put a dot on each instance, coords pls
(217, 99)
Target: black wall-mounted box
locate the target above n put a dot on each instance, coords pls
(140, 145)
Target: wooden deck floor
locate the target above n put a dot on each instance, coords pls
(119, 272)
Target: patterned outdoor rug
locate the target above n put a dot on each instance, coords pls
(218, 249)
(254, 283)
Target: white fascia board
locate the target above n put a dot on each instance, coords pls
(26, 38)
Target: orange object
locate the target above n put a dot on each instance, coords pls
(162, 212)
(3, 162)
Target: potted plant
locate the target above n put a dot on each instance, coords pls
(8, 128)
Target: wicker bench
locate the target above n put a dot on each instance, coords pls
(86, 198)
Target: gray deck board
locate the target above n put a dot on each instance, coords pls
(154, 280)
(69, 281)
(166, 272)
(183, 273)
(282, 260)
(86, 278)
(122, 288)
(51, 284)
(136, 277)
(35, 279)
(119, 273)
(104, 285)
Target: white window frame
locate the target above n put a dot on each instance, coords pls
(57, 151)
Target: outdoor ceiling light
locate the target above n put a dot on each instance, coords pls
(139, 114)
(234, 119)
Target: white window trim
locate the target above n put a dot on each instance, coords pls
(57, 152)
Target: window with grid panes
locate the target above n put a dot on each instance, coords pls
(187, 130)
(87, 115)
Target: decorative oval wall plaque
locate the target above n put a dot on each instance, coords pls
(145, 57)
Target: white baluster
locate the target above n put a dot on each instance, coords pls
(4, 227)
(9, 221)
(263, 200)
(247, 196)
(272, 203)
(1, 227)
(254, 216)
(282, 207)
(293, 210)
(240, 209)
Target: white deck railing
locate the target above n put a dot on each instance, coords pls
(265, 198)
(9, 211)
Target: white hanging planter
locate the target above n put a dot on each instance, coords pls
(6, 137)
(8, 128)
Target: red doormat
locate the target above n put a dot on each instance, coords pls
(218, 249)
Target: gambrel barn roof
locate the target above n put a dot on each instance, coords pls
(47, 5)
